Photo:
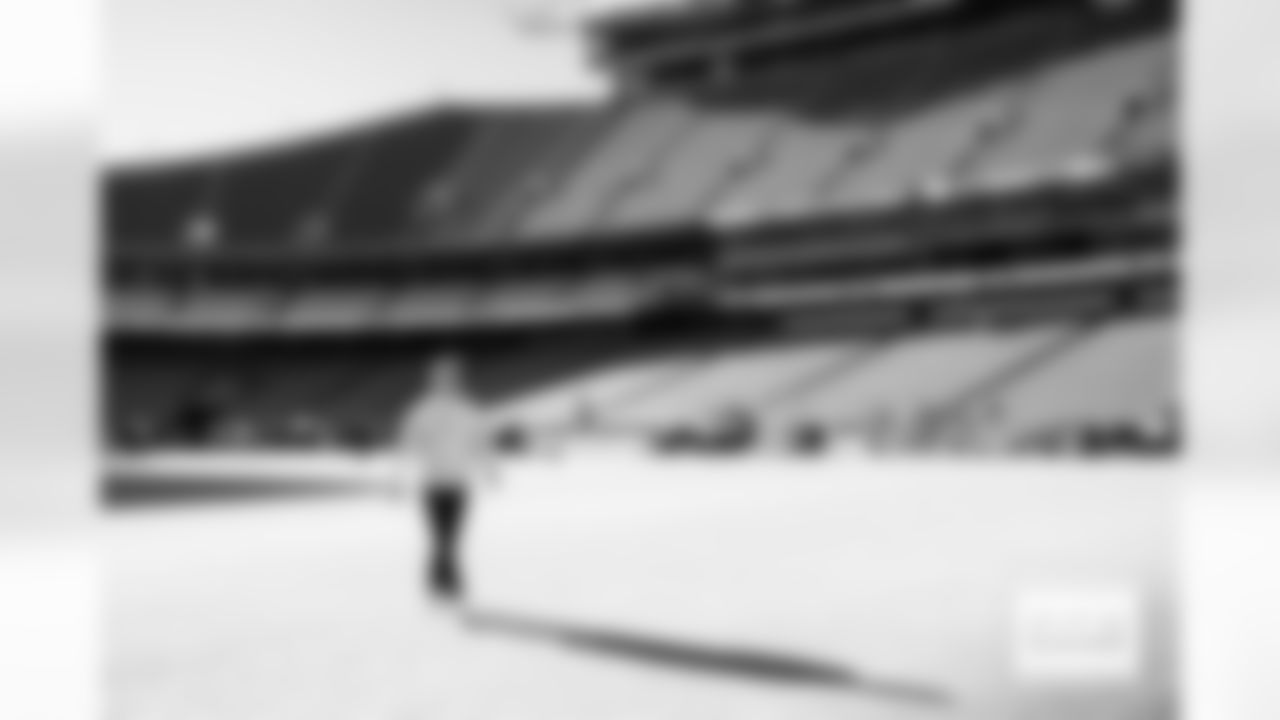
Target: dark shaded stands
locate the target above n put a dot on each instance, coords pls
(430, 212)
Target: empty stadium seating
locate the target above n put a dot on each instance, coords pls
(147, 210)
(1150, 133)
(963, 383)
(141, 390)
(1072, 114)
(1040, 387)
(416, 179)
(640, 138)
(747, 380)
(1030, 98)
(589, 399)
(957, 112)
(515, 153)
(397, 163)
(915, 377)
(668, 163)
(286, 395)
(925, 149)
(1018, 130)
(1122, 373)
(370, 408)
(695, 167)
(797, 160)
(283, 198)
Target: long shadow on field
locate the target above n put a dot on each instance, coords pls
(750, 664)
(150, 494)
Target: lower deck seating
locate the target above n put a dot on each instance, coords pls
(286, 397)
(1122, 372)
(968, 384)
(593, 398)
(1036, 386)
(732, 382)
(915, 377)
(138, 394)
(369, 410)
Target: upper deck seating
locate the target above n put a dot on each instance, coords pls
(627, 151)
(801, 158)
(149, 210)
(513, 152)
(695, 167)
(1070, 117)
(284, 198)
(396, 166)
(928, 148)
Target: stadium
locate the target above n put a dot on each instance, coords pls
(977, 257)
(874, 229)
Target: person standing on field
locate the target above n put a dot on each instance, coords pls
(451, 444)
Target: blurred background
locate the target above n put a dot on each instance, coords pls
(901, 227)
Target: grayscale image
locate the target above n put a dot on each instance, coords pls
(485, 359)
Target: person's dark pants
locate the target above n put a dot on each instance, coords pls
(445, 509)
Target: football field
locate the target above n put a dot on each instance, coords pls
(635, 589)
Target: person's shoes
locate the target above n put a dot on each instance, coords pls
(446, 590)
